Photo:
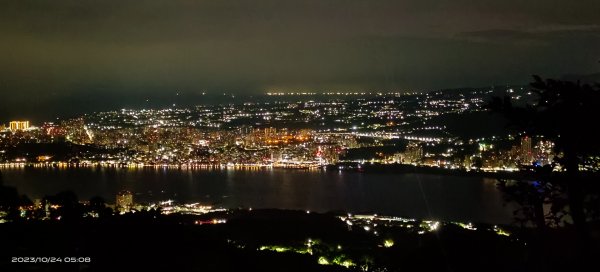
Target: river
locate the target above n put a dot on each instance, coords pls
(424, 196)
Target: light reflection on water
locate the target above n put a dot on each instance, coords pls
(425, 196)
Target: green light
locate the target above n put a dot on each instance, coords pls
(285, 249)
(388, 243)
(341, 260)
(500, 231)
(347, 263)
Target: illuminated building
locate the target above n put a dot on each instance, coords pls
(412, 154)
(544, 152)
(124, 201)
(276, 155)
(526, 151)
(52, 129)
(328, 154)
(270, 132)
(19, 125)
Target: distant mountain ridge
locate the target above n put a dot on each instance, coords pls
(589, 78)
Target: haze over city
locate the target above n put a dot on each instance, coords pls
(65, 57)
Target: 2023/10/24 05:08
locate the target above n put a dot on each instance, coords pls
(51, 259)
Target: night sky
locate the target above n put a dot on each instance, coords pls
(66, 56)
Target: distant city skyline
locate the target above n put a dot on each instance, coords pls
(81, 105)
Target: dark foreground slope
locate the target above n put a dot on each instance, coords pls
(266, 240)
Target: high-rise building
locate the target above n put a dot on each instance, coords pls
(19, 125)
(124, 201)
(526, 151)
(270, 132)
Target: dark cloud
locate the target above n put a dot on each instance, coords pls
(63, 52)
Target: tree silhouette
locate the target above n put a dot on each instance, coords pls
(97, 203)
(11, 201)
(98, 206)
(561, 112)
(69, 209)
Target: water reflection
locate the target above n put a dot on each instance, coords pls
(412, 195)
